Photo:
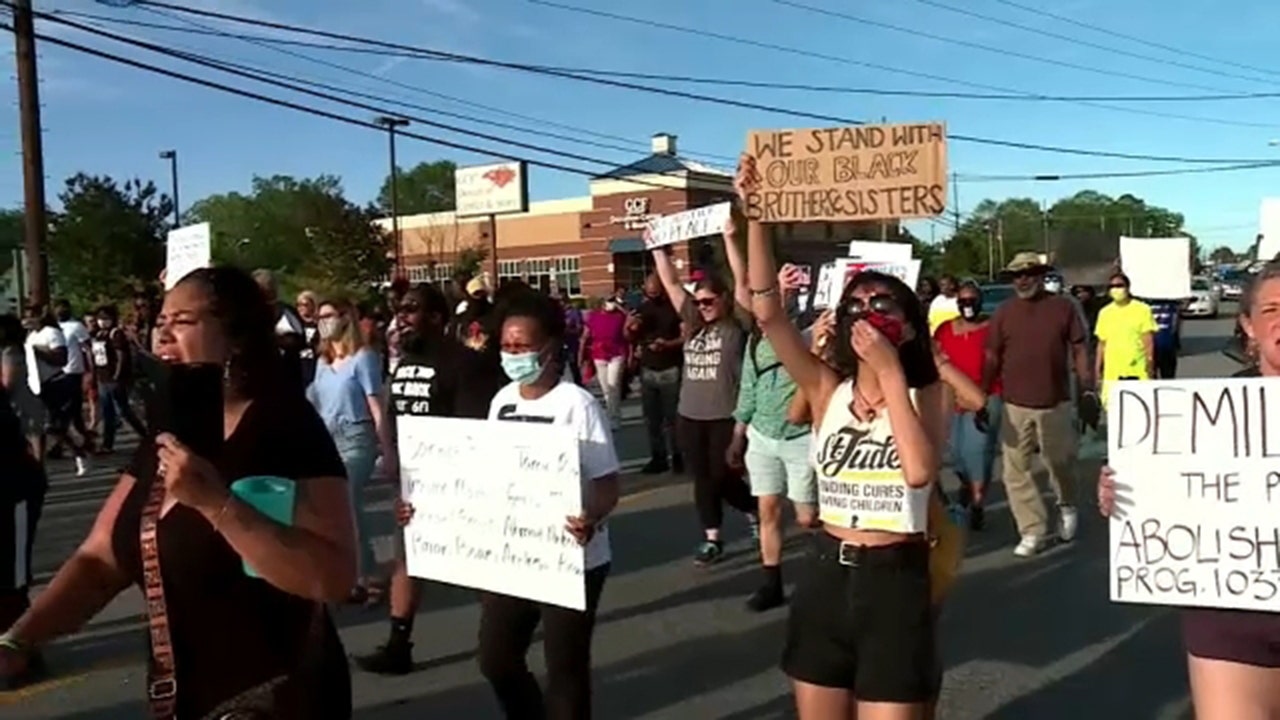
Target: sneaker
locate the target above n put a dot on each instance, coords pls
(766, 598)
(655, 467)
(82, 466)
(709, 553)
(394, 658)
(1030, 546)
(1068, 523)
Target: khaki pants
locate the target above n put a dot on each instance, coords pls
(1021, 431)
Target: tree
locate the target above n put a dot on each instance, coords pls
(107, 239)
(305, 230)
(11, 237)
(1222, 255)
(426, 188)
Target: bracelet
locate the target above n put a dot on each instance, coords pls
(217, 517)
(9, 642)
(766, 292)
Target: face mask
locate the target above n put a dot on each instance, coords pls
(523, 368)
(968, 309)
(328, 328)
(1118, 294)
(890, 327)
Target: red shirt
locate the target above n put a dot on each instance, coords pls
(967, 351)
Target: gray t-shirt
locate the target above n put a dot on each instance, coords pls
(712, 368)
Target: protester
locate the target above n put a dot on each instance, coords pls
(308, 304)
(265, 642)
(573, 327)
(1034, 341)
(1126, 337)
(14, 377)
(712, 370)
(531, 337)
(113, 370)
(347, 393)
(142, 322)
(60, 394)
(604, 345)
(437, 377)
(861, 637)
(926, 290)
(654, 329)
(395, 295)
(1233, 658)
(963, 341)
(22, 495)
(1168, 337)
(943, 307)
(76, 369)
(290, 333)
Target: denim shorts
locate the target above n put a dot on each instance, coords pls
(781, 467)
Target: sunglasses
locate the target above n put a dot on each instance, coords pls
(1119, 286)
(879, 303)
(1025, 274)
(705, 302)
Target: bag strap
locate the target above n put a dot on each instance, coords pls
(162, 683)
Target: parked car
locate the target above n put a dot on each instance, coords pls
(1233, 284)
(1205, 298)
(993, 295)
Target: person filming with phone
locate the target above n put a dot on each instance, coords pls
(235, 599)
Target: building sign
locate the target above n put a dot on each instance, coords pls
(491, 189)
(637, 215)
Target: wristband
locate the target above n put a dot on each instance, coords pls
(9, 642)
(765, 292)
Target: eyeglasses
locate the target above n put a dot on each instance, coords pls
(880, 303)
(1026, 274)
(705, 302)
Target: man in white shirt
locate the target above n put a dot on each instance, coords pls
(50, 354)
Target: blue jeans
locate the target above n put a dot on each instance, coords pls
(113, 400)
(973, 452)
(358, 446)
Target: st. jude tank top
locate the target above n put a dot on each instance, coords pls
(860, 480)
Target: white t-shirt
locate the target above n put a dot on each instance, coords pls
(569, 404)
(39, 371)
(77, 340)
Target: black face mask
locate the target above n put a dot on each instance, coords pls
(968, 308)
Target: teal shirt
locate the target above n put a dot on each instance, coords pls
(765, 393)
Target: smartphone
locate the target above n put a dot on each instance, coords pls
(805, 274)
(184, 399)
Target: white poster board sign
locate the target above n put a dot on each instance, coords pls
(1198, 493)
(491, 189)
(186, 249)
(872, 251)
(1269, 228)
(1158, 268)
(490, 505)
(833, 276)
(687, 225)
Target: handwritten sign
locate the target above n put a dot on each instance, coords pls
(1158, 268)
(490, 505)
(867, 172)
(687, 225)
(1198, 484)
(834, 276)
(188, 248)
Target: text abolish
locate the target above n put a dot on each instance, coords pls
(869, 172)
(1198, 488)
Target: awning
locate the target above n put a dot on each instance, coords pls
(626, 245)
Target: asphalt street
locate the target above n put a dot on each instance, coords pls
(1021, 639)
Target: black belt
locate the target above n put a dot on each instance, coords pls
(849, 554)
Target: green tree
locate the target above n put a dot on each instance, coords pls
(424, 188)
(304, 229)
(11, 237)
(107, 239)
(1222, 255)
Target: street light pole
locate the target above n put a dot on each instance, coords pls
(391, 124)
(172, 157)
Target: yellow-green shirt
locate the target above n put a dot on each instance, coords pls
(1124, 328)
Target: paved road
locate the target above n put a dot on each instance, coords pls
(1022, 638)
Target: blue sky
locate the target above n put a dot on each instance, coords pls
(102, 118)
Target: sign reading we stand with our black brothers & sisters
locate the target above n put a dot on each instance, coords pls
(865, 172)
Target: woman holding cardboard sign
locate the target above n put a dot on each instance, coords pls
(1233, 656)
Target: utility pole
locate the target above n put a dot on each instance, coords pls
(955, 201)
(391, 124)
(172, 157)
(33, 214)
(1044, 225)
(1000, 240)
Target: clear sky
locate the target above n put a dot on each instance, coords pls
(103, 118)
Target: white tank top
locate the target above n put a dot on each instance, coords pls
(860, 480)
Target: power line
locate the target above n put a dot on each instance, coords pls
(1107, 175)
(862, 63)
(1085, 43)
(274, 43)
(1134, 38)
(980, 46)
(675, 93)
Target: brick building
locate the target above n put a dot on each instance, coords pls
(591, 245)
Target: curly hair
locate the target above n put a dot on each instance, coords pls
(247, 321)
(916, 354)
(528, 303)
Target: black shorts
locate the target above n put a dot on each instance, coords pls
(1250, 638)
(861, 620)
(63, 397)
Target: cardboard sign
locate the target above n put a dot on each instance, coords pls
(186, 249)
(687, 225)
(1158, 268)
(867, 172)
(1198, 493)
(833, 277)
(490, 506)
(872, 251)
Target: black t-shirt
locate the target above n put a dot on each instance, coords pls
(110, 350)
(232, 632)
(659, 321)
(445, 379)
(23, 477)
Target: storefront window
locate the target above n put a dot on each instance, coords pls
(434, 273)
(568, 276)
(510, 270)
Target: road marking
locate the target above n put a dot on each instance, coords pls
(12, 697)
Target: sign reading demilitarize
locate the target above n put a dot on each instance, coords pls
(495, 189)
(866, 172)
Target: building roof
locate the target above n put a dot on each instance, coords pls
(662, 164)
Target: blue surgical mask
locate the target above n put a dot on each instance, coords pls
(523, 368)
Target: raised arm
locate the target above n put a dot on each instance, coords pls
(666, 270)
(737, 263)
(811, 375)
